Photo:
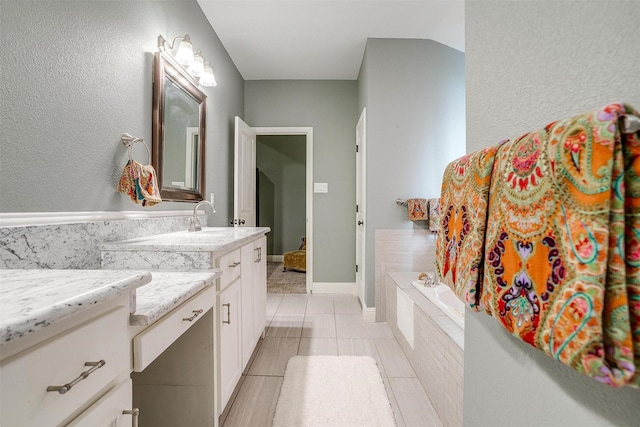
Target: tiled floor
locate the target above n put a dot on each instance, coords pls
(306, 324)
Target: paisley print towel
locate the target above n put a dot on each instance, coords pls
(463, 216)
(562, 255)
(417, 209)
(140, 183)
(433, 205)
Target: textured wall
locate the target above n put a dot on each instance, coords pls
(330, 108)
(282, 159)
(414, 94)
(529, 63)
(76, 76)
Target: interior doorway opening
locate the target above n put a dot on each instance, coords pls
(284, 195)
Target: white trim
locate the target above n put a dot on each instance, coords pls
(369, 314)
(361, 191)
(275, 258)
(308, 132)
(190, 156)
(24, 219)
(348, 288)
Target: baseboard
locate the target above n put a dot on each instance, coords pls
(334, 288)
(275, 258)
(369, 314)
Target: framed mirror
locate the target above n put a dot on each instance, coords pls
(178, 132)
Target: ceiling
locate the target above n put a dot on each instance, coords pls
(324, 39)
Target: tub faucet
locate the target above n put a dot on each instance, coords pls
(194, 223)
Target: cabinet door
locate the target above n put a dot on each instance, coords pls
(248, 256)
(230, 348)
(260, 288)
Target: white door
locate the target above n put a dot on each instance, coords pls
(244, 175)
(360, 205)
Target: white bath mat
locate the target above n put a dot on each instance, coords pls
(333, 391)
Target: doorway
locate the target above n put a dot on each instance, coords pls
(299, 216)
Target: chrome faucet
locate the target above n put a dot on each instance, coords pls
(194, 223)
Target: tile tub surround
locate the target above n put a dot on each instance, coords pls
(167, 291)
(75, 245)
(181, 250)
(31, 300)
(400, 250)
(438, 353)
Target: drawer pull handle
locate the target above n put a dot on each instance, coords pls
(235, 264)
(195, 314)
(62, 389)
(228, 305)
(135, 412)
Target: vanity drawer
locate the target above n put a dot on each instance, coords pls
(150, 343)
(230, 266)
(108, 411)
(24, 379)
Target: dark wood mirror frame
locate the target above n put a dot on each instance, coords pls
(164, 68)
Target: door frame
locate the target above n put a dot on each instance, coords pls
(308, 133)
(361, 200)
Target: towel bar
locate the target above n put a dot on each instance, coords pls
(401, 202)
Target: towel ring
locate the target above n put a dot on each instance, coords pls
(128, 141)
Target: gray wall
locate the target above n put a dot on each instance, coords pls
(282, 159)
(414, 94)
(529, 63)
(330, 108)
(76, 75)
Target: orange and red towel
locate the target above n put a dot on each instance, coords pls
(559, 263)
(417, 209)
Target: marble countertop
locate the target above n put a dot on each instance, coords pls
(168, 290)
(209, 239)
(31, 300)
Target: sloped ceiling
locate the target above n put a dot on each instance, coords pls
(323, 39)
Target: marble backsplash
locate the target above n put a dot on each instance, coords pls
(76, 245)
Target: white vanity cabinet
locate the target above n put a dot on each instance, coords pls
(64, 346)
(92, 357)
(242, 308)
(238, 315)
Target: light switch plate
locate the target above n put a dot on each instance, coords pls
(320, 187)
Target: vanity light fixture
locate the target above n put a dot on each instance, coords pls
(180, 50)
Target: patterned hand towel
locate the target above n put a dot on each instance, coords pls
(417, 209)
(463, 217)
(562, 268)
(433, 205)
(140, 183)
